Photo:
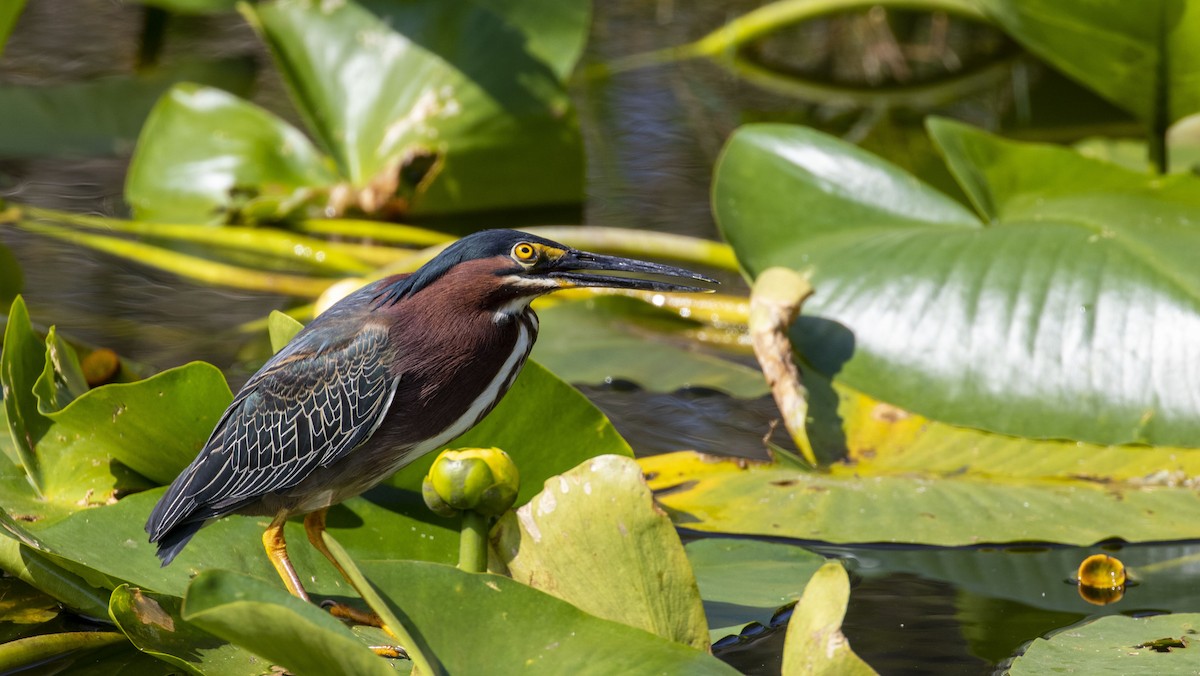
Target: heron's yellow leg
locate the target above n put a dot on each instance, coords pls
(276, 548)
(314, 526)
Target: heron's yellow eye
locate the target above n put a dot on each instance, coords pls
(524, 252)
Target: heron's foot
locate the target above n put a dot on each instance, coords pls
(352, 614)
(394, 652)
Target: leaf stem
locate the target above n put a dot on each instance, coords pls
(27, 652)
(767, 19)
(376, 603)
(472, 544)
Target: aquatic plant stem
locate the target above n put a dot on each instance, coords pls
(774, 304)
(767, 19)
(473, 542)
(27, 652)
(376, 603)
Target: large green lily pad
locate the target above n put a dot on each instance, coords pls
(1051, 316)
(415, 116)
(512, 628)
(632, 568)
(152, 622)
(1163, 644)
(732, 496)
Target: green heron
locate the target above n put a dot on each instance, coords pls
(391, 372)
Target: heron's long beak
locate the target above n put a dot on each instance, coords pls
(566, 270)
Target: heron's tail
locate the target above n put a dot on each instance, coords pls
(173, 541)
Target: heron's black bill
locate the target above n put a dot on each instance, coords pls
(570, 267)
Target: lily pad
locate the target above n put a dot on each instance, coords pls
(155, 426)
(733, 496)
(183, 173)
(744, 581)
(278, 626)
(1006, 325)
(414, 116)
(593, 341)
(633, 568)
(1163, 644)
(153, 623)
(512, 628)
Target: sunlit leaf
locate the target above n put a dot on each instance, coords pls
(1163, 644)
(512, 628)
(1144, 57)
(729, 496)
(594, 341)
(282, 328)
(815, 643)
(496, 121)
(1018, 326)
(282, 628)
(21, 562)
(21, 363)
(633, 568)
(193, 6)
(744, 581)
(184, 172)
(155, 426)
(152, 622)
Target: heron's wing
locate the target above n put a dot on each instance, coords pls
(305, 409)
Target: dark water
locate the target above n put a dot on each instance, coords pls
(652, 138)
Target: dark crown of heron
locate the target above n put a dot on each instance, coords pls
(523, 248)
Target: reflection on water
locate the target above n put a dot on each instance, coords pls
(652, 138)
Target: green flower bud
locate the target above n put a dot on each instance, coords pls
(481, 479)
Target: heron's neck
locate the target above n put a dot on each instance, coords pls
(511, 310)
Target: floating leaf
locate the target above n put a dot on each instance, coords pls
(594, 341)
(512, 628)
(730, 496)
(1163, 644)
(9, 13)
(282, 328)
(155, 426)
(413, 114)
(153, 623)
(919, 304)
(744, 581)
(280, 627)
(633, 568)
